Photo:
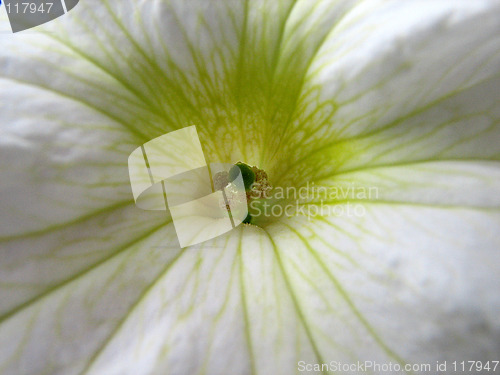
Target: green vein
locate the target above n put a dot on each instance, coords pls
(348, 300)
(4, 317)
(66, 224)
(129, 313)
(296, 304)
(244, 304)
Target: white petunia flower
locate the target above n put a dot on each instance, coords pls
(400, 97)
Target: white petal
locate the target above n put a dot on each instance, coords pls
(395, 100)
(446, 184)
(223, 307)
(61, 329)
(401, 82)
(77, 257)
(399, 284)
(95, 291)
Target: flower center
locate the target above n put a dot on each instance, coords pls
(257, 189)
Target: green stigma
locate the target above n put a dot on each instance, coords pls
(246, 172)
(257, 187)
